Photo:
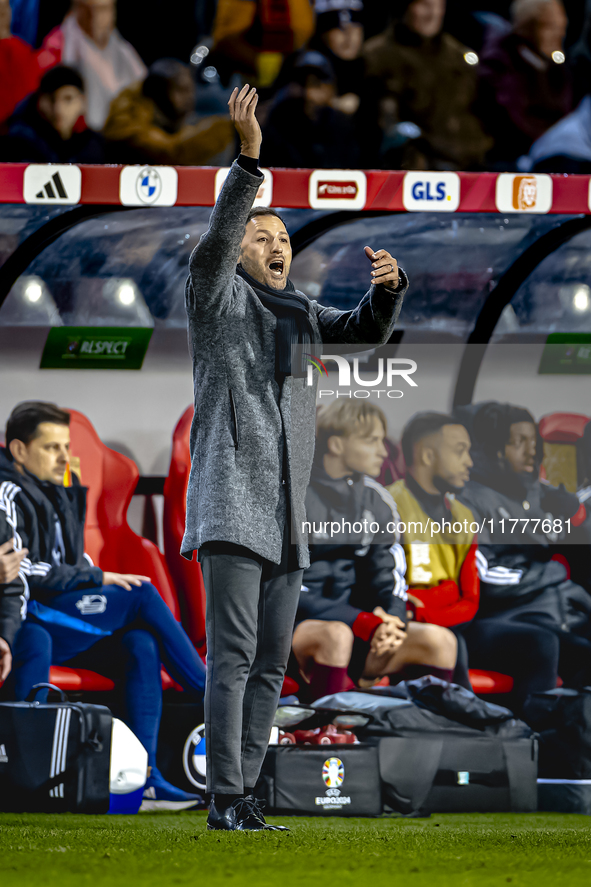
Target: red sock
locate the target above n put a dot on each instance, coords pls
(412, 672)
(326, 680)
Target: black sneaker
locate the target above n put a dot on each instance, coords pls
(250, 816)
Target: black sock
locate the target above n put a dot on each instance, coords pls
(248, 792)
(222, 802)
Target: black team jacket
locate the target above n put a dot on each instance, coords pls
(35, 515)
(352, 569)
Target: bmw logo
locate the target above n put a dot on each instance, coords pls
(148, 184)
(194, 757)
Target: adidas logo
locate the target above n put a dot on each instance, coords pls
(3, 755)
(52, 183)
(150, 792)
(48, 189)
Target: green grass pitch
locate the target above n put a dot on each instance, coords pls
(158, 849)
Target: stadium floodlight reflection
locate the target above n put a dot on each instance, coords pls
(581, 298)
(33, 291)
(126, 294)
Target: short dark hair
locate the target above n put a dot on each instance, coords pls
(422, 425)
(61, 75)
(27, 416)
(264, 211)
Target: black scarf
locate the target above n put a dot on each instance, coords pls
(293, 322)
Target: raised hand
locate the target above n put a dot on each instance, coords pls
(385, 267)
(242, 105)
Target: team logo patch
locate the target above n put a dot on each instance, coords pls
(337, 189)
(431, 192)
(524, 193)
(148, 186)
(52, 183)
(333, 772)
(92, 604)
(194, 757)
(333, 775)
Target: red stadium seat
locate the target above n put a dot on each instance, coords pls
(111, 479)
(563, 427)
(79, 679)
(561, 433)
(485, 682)
(83, 680)
(186, 574)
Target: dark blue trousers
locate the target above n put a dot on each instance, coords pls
(143, 633)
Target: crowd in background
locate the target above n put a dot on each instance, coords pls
(387, 84)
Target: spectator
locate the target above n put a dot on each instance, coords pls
(421, 86)
(525, 83)
(339, 37)
(19, 71)
(89, 40)
(49, 126)
(79, 615)
(566, 146)
(150, 122)
(303, 129)
(352, 613)
(580, 54)
(253, 37)
(521, 585)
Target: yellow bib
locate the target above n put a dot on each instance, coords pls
(432, 557)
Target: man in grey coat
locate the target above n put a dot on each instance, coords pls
(252, 443)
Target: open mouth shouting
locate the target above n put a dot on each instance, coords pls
(276, 268)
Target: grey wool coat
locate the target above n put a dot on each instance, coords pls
(242, 422)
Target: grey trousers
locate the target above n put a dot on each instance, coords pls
(250, 614)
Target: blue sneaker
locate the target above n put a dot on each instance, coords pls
(161, 795)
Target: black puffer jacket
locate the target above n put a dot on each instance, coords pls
(351, 572)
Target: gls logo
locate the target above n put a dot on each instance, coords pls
(433, 191)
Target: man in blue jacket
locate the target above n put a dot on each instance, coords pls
(75, 614)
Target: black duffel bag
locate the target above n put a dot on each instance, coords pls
(412, 758)
(562, 718)
(54, 757)
(322, 780)
(450, 751)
